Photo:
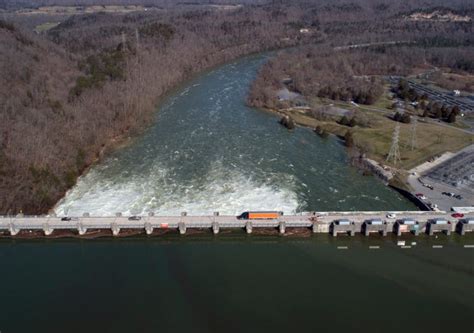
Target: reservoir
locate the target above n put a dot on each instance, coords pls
(208, 151)
(235, 283)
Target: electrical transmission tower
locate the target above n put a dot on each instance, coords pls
(394, 153)
(126, 70)
(413, 142)
(138, 70)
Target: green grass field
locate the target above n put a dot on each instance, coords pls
(432, 139)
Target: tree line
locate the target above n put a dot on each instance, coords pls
(356, 75)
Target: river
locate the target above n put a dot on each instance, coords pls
(208, 152)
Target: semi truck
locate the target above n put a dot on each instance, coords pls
(260, 215)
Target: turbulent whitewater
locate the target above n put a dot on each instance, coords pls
(208, 151)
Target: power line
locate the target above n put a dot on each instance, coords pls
(394, 153)
(414, 143)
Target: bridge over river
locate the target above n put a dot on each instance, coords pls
(319, 222)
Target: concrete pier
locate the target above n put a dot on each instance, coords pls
(182, 228)
(407, 225)
(13, 229)
(344, 226)
(215, 228)
(248, 227)
(81, 229)
(148, 228)
(439, 225)
(115, 229)
(282, 227)
(47, 229)
(375, 226)
(465, 225)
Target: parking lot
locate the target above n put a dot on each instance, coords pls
(451, 173)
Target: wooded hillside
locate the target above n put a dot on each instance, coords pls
(99, 82)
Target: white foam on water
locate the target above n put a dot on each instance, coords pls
(226, 191)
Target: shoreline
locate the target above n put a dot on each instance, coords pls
(393, 183)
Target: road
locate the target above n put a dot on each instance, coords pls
(306, 220)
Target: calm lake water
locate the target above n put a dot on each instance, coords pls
(209, 152)
(235, 283)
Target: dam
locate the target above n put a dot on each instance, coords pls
(350, 223)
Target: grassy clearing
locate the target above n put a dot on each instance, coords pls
(46, 26)
(432, 139)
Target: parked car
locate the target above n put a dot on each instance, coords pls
(449, 194)
(391, 215)
(68, 218)
(458, 215)
(134, 218)
(421, 196)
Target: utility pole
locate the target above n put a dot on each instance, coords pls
(126, 71)
(414, 143)
(138, 70)
(394, 153)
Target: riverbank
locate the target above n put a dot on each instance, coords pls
(389, 174)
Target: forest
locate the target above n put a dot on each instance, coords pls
(94, 80)
(73, 92)
(353, 74)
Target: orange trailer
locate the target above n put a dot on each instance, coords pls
(260, 215)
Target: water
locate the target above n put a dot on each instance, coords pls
(236, 284)
(209, 152)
